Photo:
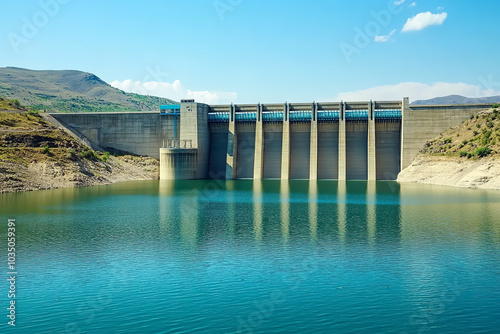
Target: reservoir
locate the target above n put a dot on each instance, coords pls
(252, 256)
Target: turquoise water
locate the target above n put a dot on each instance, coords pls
(254, 257)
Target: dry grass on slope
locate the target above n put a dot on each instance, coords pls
(477, 137)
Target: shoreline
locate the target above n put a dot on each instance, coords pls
(456, 172)
(51, 175)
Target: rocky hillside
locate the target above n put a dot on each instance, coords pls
(70, 91)
(475, 138)
(34, 155)
(465, 156)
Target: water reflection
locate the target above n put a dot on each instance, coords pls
(257, 211)
(313, 209)
(285, 210)
(341, 212)
(371, 254)
(371, 200)
(326, 211)
(248, 212)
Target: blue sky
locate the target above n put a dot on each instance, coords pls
(249, 51)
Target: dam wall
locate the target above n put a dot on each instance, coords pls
(273, 146)
(300, 150)
(328, 150)
(356, 137)
(371, 140)
(388, 148)
(422, 123)
(218, 151)
(140, 133)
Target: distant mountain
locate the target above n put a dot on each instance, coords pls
(70, 91)
(457, 99)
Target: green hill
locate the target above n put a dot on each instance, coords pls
(70, 91)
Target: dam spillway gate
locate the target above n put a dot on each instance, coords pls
(340, 141)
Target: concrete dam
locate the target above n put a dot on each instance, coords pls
(372, 140)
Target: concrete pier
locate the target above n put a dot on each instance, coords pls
(188, 157)
(259, 146)
(313, 152)
(178, 164)
(232, 146)
(342, 144)
(285, 153)
(372, 164)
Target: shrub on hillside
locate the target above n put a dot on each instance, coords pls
(15, 103)
(105, 157)
(87, 153)
(483, 152)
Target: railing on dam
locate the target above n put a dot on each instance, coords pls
(328, 116)
(272, 117)
(395, 114)
(218, 117)
(246, 117)
(300, 116)
(176, 143)
(305, 116)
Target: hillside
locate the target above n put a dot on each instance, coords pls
(70, 91)
(10, 105)
(465, 156)
(475, 138)
(458, 99)
(35, 155)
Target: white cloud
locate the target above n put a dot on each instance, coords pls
(416, 91)
(382, 39)
(424, 20)
(175, 91)
(440, 9)
(399, 2)
(413, 4)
